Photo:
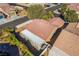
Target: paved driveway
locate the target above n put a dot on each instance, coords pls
(14, 23)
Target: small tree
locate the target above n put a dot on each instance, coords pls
(69, 15)
(45, 17)
(63, 8)
(48, 15)
(38, 11)
(35, 11)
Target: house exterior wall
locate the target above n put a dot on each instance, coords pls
(45, 52)
(68, 42)
(56, 52)
(35, 40)
(19, 27)
(23, 24)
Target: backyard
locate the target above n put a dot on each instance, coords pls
(7, 36)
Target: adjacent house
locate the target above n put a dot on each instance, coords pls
(73, 28)
(7, 9)
(57, 21)
(77, 26)
(66, 44)
(3, 14)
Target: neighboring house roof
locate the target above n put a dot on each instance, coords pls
(6, 7)
(74, 6)
(72, 27)
(3, 12)
(57, 21)
(41, 28)
(77, 26)
(67, 44)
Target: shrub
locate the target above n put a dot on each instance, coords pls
(69, 15)
(37, 11)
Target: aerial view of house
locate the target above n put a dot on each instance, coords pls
(43, 29)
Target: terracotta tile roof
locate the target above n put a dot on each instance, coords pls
(4, 4)
(72, 27)
(68, 43)
(41, 28)
(74, 6)
(57, 21)
(77, 26)
(6, 7)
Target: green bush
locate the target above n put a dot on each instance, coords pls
(48, 16)
(69, 15)
(11, 38)
(45, 17)
(63, 8)
(35, 11)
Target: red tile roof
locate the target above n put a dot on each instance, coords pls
(73, 27)
(57, 21)
(68, 43)
(41, 28)
(4, 4)
(6, 7)
(77, 26)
